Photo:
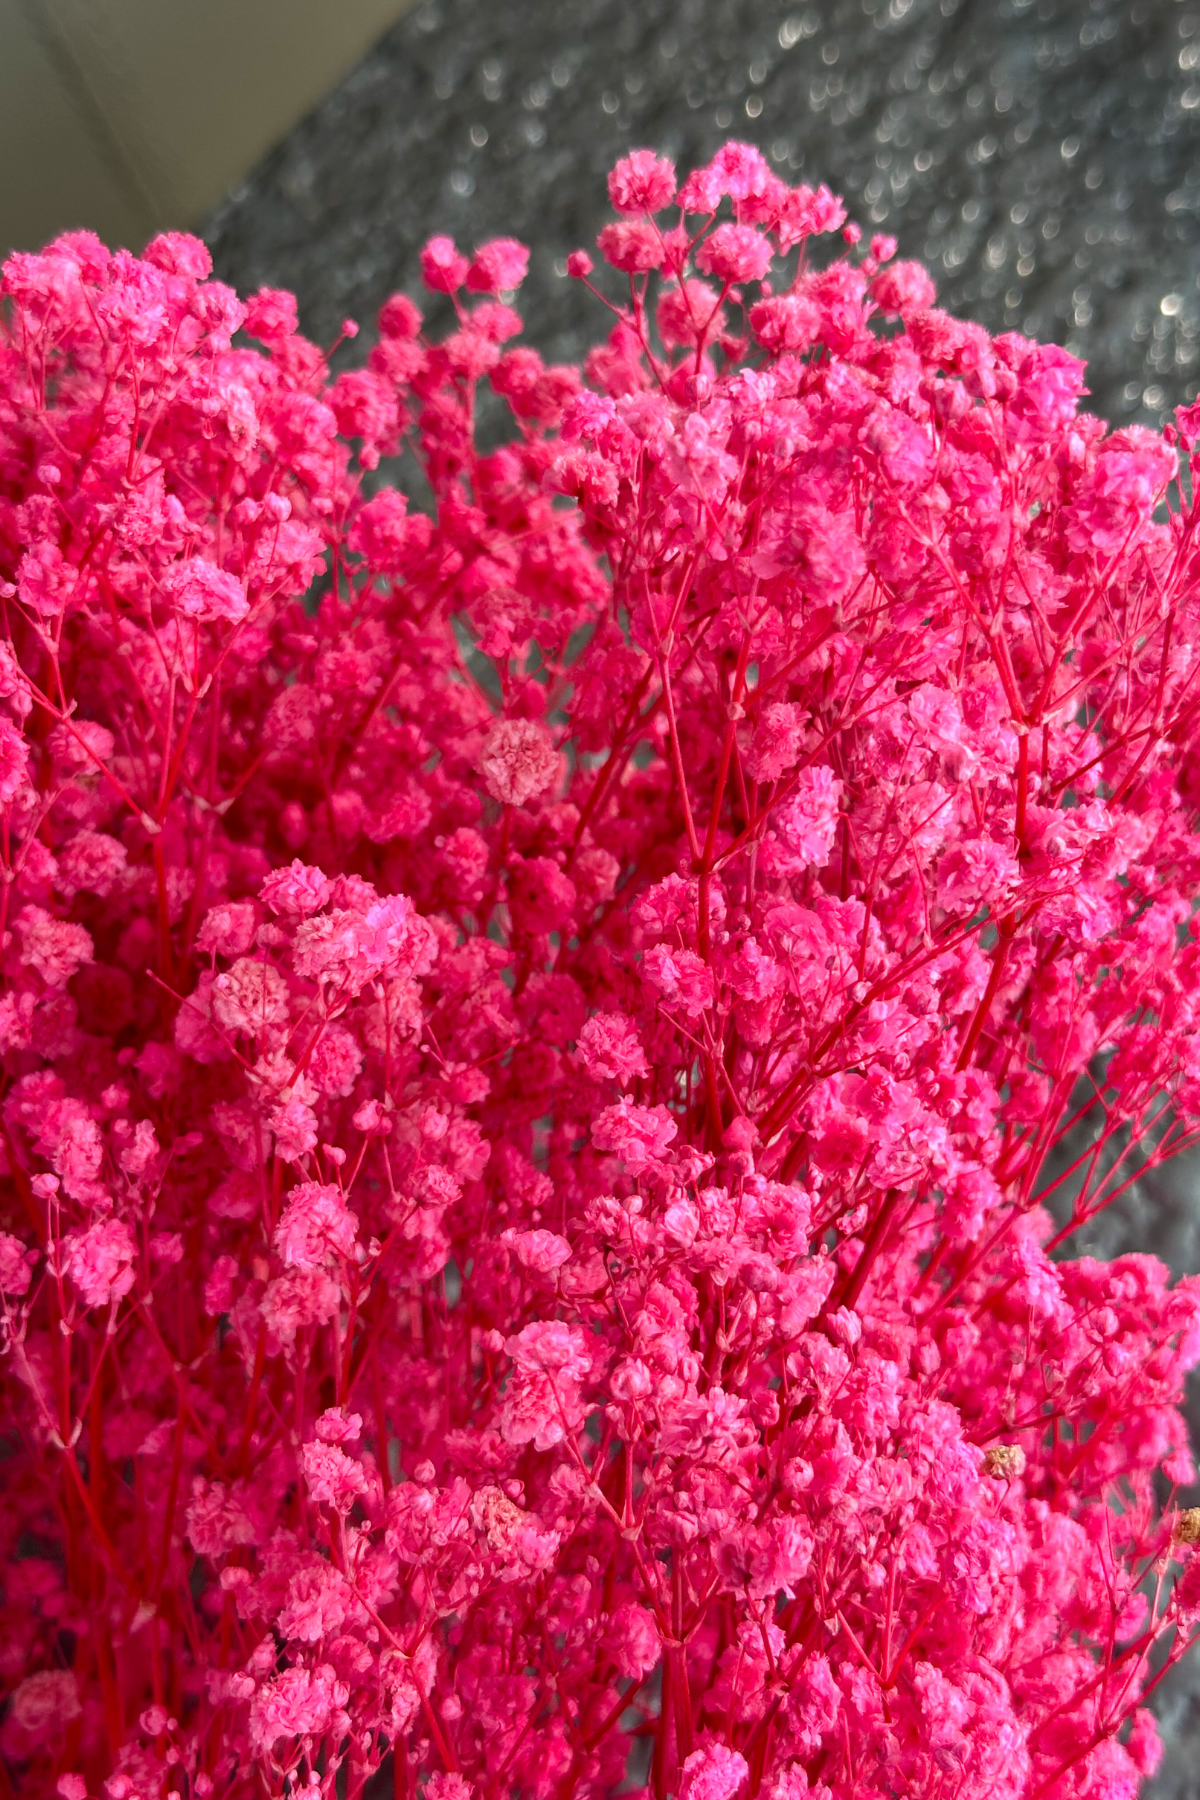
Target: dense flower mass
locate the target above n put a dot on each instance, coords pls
(554, 1047)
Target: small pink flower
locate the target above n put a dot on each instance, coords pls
(639, 1135)
(544, 1401)
(293, 1125)
(296, 889)
(14, 761)
(43, 1703)
(903, 288)
(631, 245)
(100, 1261)
(735, 253)
(249, 997)
(609, 1049)
(713, 1773)
(633, 1640)
(498, 267)
(519, 761)
(205, 593)
(316, 1224)
(219, 1288)
(642, 182)
(271, 315)
(540, 1252)
(54, 947)
(442, 268)
(334, 1479)
(298, 1703)
(681, 977)
(16, 1270)
(92, 863)
(228, 930)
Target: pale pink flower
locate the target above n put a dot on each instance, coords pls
(53, 947)
(249, 997)
(518, 761)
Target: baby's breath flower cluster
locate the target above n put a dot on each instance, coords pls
(554, 1045)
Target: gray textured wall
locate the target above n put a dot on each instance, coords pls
(1042, 156)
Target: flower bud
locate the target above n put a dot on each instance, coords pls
(1185, 1528)
(1004, 1461)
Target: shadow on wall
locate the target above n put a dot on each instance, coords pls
(128, 116)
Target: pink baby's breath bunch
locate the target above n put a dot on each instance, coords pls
(553, 1050)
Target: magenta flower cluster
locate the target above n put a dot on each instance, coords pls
(554, 1044)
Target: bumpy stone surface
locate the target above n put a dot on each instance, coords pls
(1042, 156)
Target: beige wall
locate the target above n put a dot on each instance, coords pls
(131, 115)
